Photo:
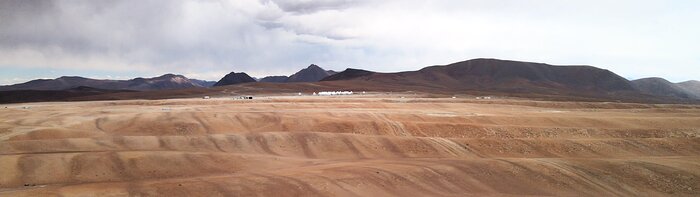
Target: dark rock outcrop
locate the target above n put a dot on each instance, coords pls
(234, 78)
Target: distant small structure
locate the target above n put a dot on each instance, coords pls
(333, 93)
(483, 98)
(244, 98)
(454, 97)
(299, 94)
(206, 97)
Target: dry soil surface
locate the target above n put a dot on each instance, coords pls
(348, 146)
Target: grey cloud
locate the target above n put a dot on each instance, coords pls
(310, 6)
(82, 26)
(150, 31)
(198, 36)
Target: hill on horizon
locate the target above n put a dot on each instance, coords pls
(662, 87)
(500, 75)
(235, 78)
(691, 87)
(312, 73)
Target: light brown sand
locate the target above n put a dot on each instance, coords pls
(348, 146)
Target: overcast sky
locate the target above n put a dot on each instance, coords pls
(207, 39)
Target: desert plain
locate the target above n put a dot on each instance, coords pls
(377, 144)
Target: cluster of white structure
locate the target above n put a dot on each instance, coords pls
(483, 97)
(333, 93)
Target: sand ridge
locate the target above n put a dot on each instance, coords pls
(349, 146)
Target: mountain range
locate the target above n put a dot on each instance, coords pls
(476, 75)
(493, 75)
(164, 82)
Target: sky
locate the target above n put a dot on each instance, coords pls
(205, 39)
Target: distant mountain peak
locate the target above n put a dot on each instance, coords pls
(314, 66)
(71, 77)
(169, 75)
(652, 79)
(313, 73)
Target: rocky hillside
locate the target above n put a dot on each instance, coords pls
(313, 73)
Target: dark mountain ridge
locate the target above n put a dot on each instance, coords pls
(660, 87)
(274, 79)
(163, 82)
(348, 74)
(313, 73)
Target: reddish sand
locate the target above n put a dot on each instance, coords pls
(348, 146)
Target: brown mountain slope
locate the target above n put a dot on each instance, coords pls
(17, 96)
(501, 75)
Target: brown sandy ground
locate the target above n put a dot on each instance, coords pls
(348, 146)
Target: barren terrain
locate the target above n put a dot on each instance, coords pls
(372, 145)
